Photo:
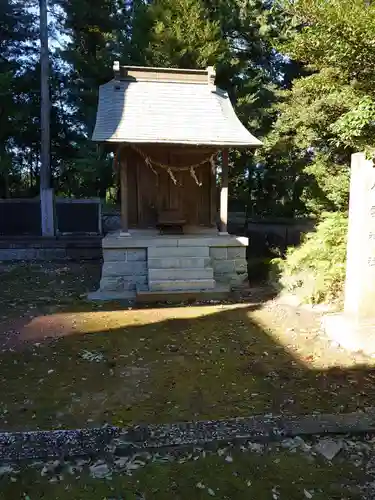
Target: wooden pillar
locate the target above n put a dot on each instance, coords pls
(124, 196)
(224, 194)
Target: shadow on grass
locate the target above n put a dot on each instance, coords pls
(106, 363)
(164, 365)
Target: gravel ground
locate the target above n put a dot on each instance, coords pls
(319, 469)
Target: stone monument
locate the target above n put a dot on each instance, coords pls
(354, 329)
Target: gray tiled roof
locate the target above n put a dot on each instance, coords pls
(168, 113)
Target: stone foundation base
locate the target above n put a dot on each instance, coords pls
(146, 261)
(351, 333)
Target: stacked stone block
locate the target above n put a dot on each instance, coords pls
(124, 270)
(229, 264)
(160, 263)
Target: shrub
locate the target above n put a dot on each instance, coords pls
(315, 271)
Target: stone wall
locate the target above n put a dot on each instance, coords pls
(124, 270)
(40, 248)
(229, 264)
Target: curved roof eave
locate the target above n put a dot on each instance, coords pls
(155, 112)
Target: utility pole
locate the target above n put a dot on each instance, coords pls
(46, 193)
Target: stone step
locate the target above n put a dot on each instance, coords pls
(179, 263)
(181, 274)
(179, 296)
(177, 285)
(157, 252)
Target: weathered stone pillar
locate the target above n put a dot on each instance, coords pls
(355, 327)
(224, 194)
(124, 196)
(360, 263)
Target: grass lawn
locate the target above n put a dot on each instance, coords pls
(107, 363)
(274, 475)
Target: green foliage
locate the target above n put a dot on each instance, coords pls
(98, 33)
(334, 33)
(306, 144)
(326, 116)
(17, 38)
(329, 112)
(356, 127)
(315, 271)
(330, 188)
(253, 74)
(339, 35)
(183, 36)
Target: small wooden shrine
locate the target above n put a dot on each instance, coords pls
(170, 130)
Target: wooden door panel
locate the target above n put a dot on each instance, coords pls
(150, 193)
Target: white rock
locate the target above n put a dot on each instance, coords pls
(211, 492)
(134, 465)
(302, 444)
(95, 357)
(307, 494)
(296, 442)
(5, 469)
(257, 447)
(99, 471)
(121, 462)
(50, 467)
(229, 459)
(81, 462)
(328, 448)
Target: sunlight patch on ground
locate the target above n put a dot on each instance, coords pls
(64, 324)
(308, 346)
